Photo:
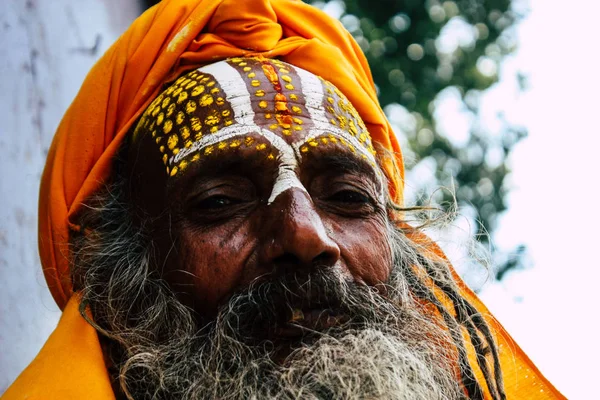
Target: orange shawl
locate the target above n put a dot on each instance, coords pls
(168, 39)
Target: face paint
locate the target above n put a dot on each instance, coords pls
(212, 109)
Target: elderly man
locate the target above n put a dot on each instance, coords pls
(220, 218)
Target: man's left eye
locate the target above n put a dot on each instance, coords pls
(350, 196)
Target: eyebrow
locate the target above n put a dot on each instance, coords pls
(345, 162)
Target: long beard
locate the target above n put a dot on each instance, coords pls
(357, 344)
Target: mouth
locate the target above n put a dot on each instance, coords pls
(313, 320)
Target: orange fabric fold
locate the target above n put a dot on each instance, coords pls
(170, 38)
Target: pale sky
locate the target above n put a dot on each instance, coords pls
(553, 315)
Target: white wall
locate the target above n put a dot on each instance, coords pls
(46, 48)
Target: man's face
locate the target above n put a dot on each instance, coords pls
(257, 198)
(257, 169)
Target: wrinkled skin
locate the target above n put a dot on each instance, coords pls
(217, 232)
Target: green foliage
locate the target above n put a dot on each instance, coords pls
(412, 65)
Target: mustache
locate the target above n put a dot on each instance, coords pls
(320, 300)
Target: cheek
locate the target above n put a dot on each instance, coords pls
(212, 265)
(365, 249)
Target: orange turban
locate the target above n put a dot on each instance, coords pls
(170, 38)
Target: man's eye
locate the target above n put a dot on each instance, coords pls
(216, 202)
(350, 196)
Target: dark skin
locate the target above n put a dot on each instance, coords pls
(215, 232)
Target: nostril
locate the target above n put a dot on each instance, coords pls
(324, 259)
(287, 261)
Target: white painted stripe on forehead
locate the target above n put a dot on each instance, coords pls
(286, 176)
(312, 89)
(236, 92)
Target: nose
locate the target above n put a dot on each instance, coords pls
(298, 238)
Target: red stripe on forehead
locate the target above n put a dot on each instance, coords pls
(276, 94)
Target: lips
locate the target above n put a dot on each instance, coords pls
(305, 321)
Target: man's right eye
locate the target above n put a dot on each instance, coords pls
(216, 202)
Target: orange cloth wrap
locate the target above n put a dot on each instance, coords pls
(170, 38)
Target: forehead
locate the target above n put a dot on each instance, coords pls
(257, 103)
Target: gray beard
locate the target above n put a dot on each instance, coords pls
(384, 347)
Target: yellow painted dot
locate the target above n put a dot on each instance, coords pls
(188, 144)
(190, 106)
(182, 97)
(160, 119)
(206, 100)
(170, 90)
(289, 86)
(251, 75)
(246, 69)
(273, 126)
(181, 79)
(262, 104)
(222, 145)
(198, 136)
(297, 121)
(330, 109)
(185, 82)
(297, 109)
(167, 170)
(270, 156)
(313, 143)
(255, 82)
(196, 157)
(324, 140)
(332, 121)
(225, 113)
(172, 142)
(155, 111)
(165, 159)
(190, 85)
(333, 139)
(162, 149)
(293, 96)
(177, 91)
(175, 150)
(204, 79)
(235, 143)
(260, 93)
(183, 165)
(158, 139)
(214, 129)
(220, 101)
(286, 132)
(196, 124)
(284, 70)
(268, 116)
(249, 140)
(261, 146)
(197, 90)
(180, 118)
(174, 171)
(184, 132)
(297, 128)
(352, 128)
(304, 149)
(236, 60)
(153, 133)
(171, 109)
(166, 102)
(212, 118)
(228, 122)
(215, 90)
(210, 84)
(243, 63)
(330, 100)
(168, 126)
(286, 78)
(362, 137)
